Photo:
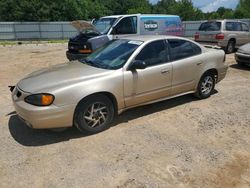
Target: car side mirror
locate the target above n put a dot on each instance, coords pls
(137, 64)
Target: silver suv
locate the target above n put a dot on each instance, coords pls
(228, 34)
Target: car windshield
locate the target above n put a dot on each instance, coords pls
(210, 26)
(114, 55)
(104, 24)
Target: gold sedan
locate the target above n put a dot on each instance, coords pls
(125, 73)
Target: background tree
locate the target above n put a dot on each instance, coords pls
(243, 9)
(67, 10)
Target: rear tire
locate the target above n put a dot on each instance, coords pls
(94, 114)
(206, 86)
(230, 47)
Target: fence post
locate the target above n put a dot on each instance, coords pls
(62, 30)
(40, 32)
(14, 30)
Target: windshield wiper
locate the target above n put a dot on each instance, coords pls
(87, 62)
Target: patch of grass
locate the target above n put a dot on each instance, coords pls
(58, 41)
(9, 42)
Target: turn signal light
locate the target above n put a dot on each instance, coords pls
(43, 99)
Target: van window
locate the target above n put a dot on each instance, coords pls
(210, 26)
(127, 25)
(154, 53)
(180, 49)
(233, 26)
(244, 27)
(104, 24)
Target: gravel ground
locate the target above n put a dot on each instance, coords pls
(182, 142)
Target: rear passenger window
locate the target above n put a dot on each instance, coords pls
(154, 53)
(244, 27)
(180, 49)
(233, 26)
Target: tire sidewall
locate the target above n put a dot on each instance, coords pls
(200, 94)
(79, 121)
(232, 43)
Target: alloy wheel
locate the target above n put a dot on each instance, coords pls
(96, 114)
(207, 85)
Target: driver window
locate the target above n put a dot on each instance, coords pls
(154, 53)
(127, 25)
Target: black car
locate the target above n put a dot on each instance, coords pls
(89, 38)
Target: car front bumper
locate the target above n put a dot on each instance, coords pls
(243, 58)
(43, 117)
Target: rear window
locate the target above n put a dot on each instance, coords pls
(210, 26)
(180, 49)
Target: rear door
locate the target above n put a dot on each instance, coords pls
(234, 30)
(152, 83)
(186, 58)
(246, 33)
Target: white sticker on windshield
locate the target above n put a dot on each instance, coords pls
(136, 42)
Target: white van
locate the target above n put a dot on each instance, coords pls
(94, 35)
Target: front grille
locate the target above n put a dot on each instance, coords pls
(18, 94)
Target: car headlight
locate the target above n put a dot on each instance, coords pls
(42, 99)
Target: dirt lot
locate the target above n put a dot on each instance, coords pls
(183, 142)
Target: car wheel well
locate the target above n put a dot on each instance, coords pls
(107, 94)
(232, 39)
(213, 72)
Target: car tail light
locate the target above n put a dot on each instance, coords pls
(220, 36)
(85, 51)
(196, 36)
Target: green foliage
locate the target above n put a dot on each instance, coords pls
(67, 10)
(243, 9)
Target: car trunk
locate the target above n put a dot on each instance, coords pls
(208, 32)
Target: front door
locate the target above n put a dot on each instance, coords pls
(152, 83)
(127, 26)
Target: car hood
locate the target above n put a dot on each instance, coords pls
(82, 26)
(245, 48)
(59, 75)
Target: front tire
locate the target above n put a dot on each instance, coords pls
(206, 86)
(94, 114)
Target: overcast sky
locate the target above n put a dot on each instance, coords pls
(212, 5)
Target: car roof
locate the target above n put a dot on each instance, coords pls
(146, 38)
(142, 15)
(225, 20)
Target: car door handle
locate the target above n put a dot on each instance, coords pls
(200, 63)
(165, 71)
